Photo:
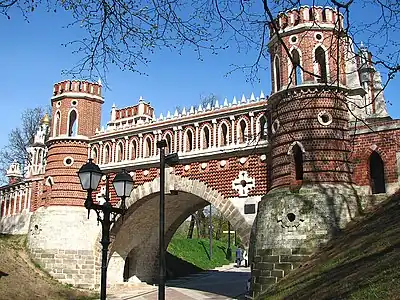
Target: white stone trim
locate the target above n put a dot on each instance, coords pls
(78, 95)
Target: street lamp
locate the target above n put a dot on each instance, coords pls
(89, 176)
(170, 159)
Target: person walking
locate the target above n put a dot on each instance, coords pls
(239, 257)
(245, 258)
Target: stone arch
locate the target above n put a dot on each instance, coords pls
(296, 151)
(57, 123)
(321, 63)
(188, 139)
(119, 151)
(277, 74)
(170, 144)
(223, 137)
(72, 124)
(242, 129)
(94, 154)
(140, 235)
(294, 66)
(206, 136)
(106, 153)
(262, 126)
(133, 148)
(147, 146)
(373, 177)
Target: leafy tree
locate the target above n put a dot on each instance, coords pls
(20, 138)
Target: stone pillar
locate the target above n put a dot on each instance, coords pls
(140, 152)
(113, 151)
(196, 145)
(126, 152)
(232, 118)
(180, 139)
(214, 122)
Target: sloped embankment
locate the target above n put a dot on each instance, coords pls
(362, 263)
(20, 279)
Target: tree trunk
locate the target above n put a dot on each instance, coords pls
(191, 227)
(218, 232)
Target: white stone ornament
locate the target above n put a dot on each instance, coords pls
(263, 157)
(100, 195)
(223, 163)
(242, 160)
(187, 168)
(204, 165)
(146, 172)
(243, 184)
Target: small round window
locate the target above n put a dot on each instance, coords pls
(275, 126)
(74, 102)
(293, 39)
(318, 36)
(324, 118)
(68, 161)
(58, 104)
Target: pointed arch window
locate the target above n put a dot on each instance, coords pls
(377, 173)
(147, 152)
(277, 75)
(324, 15)
(223, 135)
(296, 72)
(168, 149)
(242, 131)
(106, 154)
(120, 152)
(298, 161)
(263, 128)
(72, 123)
(188, 141)
(94, 155)
(320, 59)
(311, 13)
(206, 137)
(57, 122)
(133, 150)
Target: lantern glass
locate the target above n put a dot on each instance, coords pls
(123, 184)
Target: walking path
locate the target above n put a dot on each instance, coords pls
(227, 282)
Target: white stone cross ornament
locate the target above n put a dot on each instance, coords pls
(243, 184)
(100, 196)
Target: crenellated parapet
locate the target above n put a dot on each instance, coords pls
(306, 16)
(76, 86)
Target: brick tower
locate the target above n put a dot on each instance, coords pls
(60, 226)
(310, 196)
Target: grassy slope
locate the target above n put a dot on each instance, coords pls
(196, 251)
(24, 280)
(362, 263)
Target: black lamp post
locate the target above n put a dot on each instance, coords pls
(90, 175)
(229, 250)
(170, 159)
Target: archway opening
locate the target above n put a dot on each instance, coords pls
(377, 173)
(73, 123)
(320, 59)
(224, 135)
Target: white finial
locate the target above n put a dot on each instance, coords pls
(191, 110)
(243, 99)
(225, 102)
(161, 117)
(208, 106)
(99, 81)
(113, 106)
(141, 98)
(168, 115)
(252, 98)
(234, 102)
(184, 111)
(262, 96)
(176, 113)
(216, 105)
(200, 108)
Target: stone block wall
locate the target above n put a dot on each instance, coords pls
(15, 224)
(62, 240)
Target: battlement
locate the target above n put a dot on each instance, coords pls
(140, 109)
(77, 86)
(306, 15)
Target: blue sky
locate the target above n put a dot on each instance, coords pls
(32, 57)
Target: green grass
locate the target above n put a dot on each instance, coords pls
(197, 252)
(362, 263)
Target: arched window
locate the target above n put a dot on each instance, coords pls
(320, 59)
(223, 140)
(298, 161)
(377, 173)
(206, 138)
(106, 154)
(120, 152)
(188, 141)
(94, 155)
(147, 152)
(296, 72)
(133, 150)
(168, 149)
(311, 12)
(277, 75)
(72, 123)
(57, 122)
(324, 15)
(263, 128)
(242, 132)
